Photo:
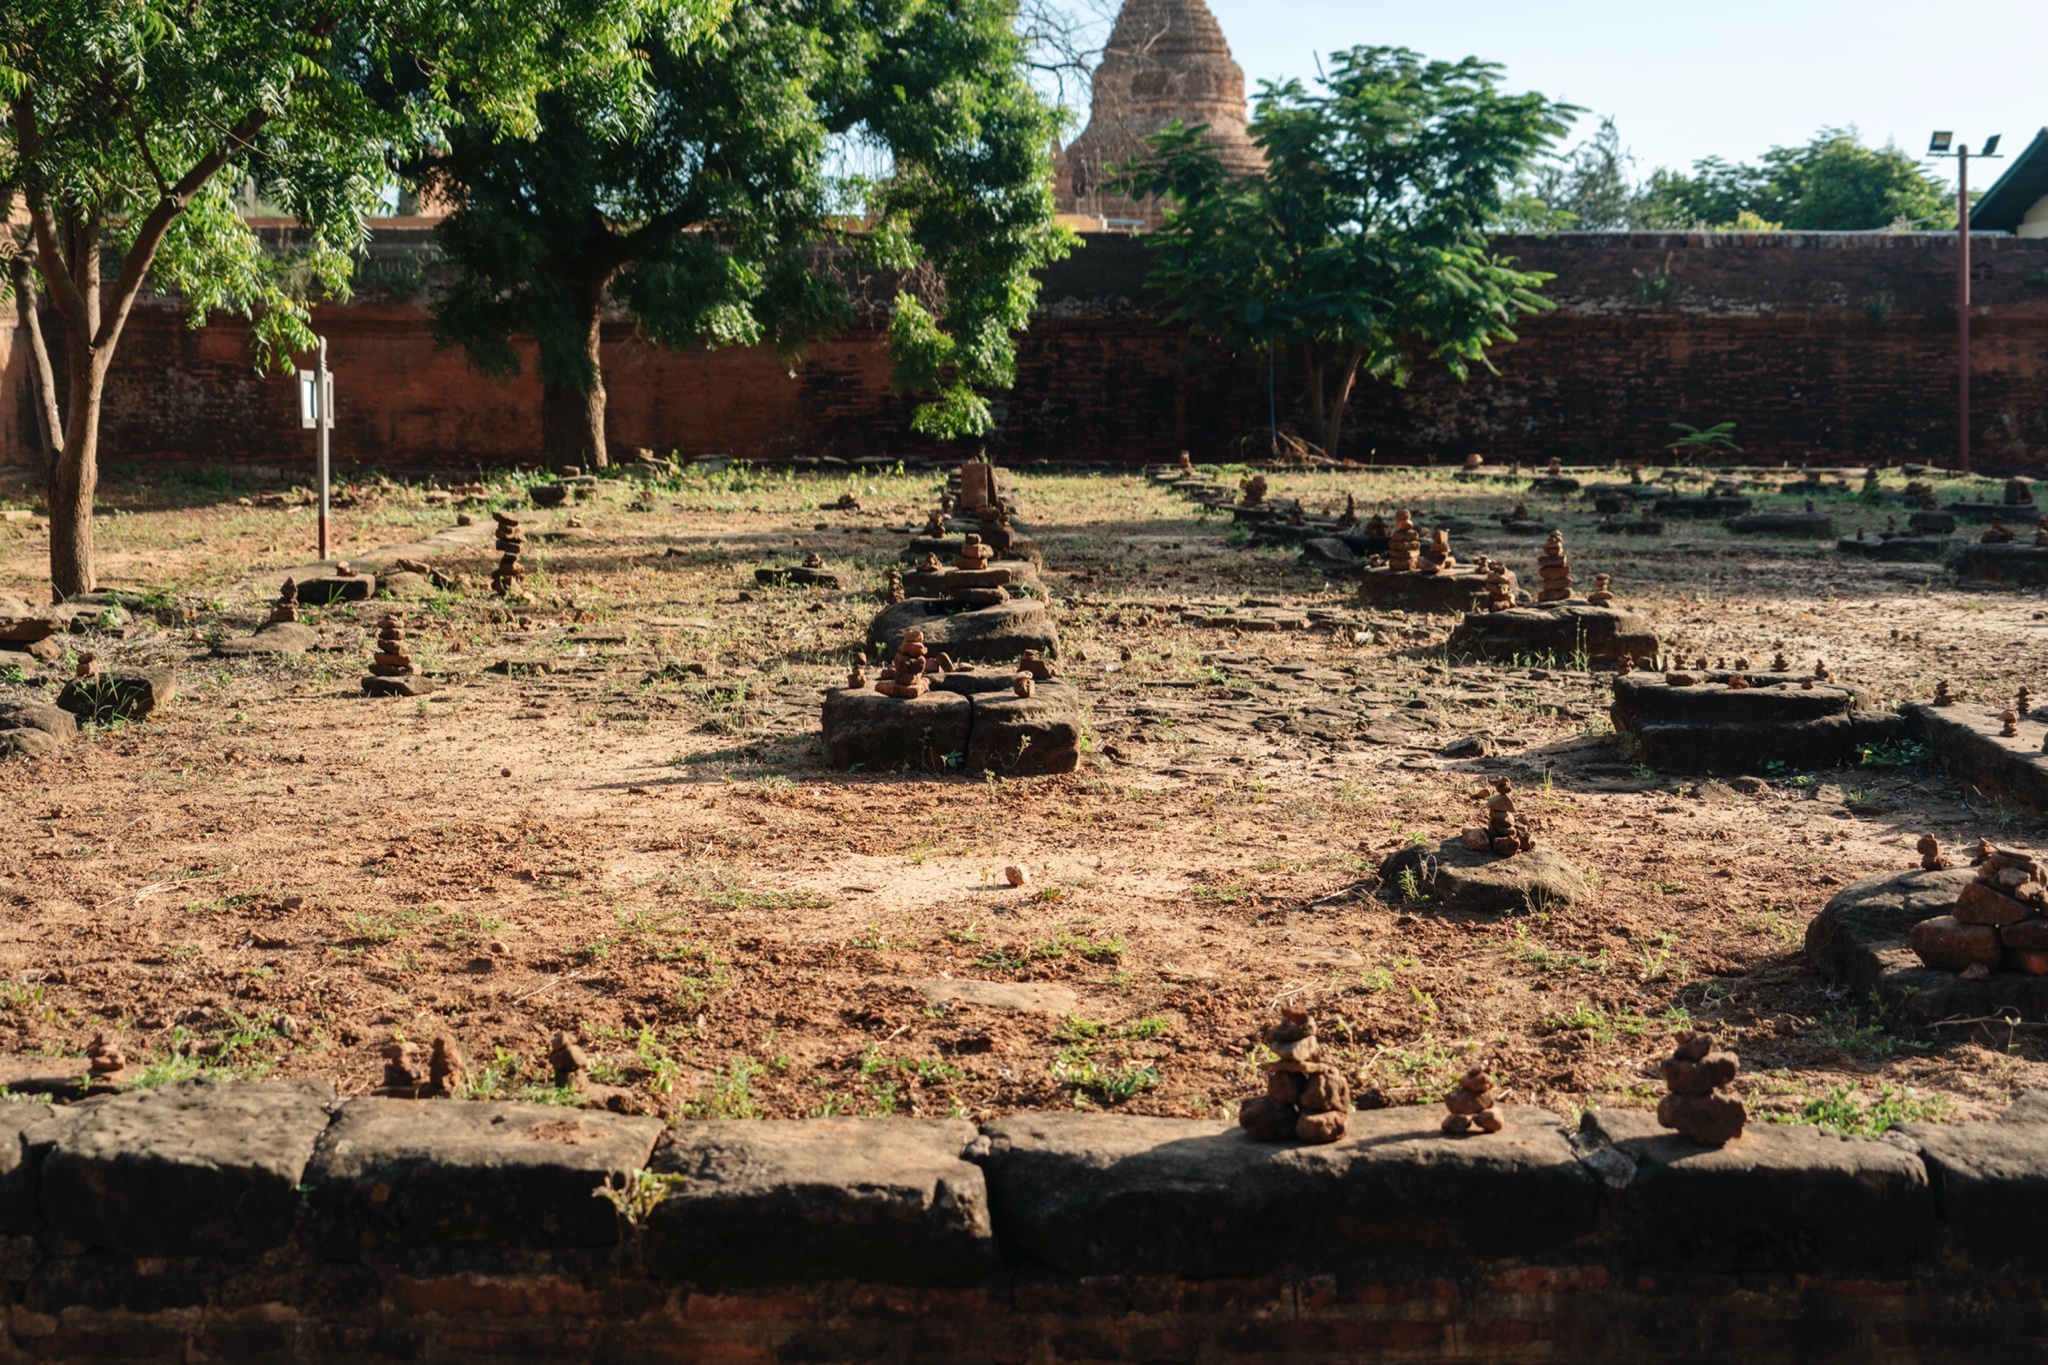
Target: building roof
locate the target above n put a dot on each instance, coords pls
(2021, 187)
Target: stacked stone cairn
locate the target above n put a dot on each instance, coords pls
(974, 554)
(1253, 490)
(391, 660)
(1436, 554)
(1554, 570)
(1999, 920)
(1305, 1099)
(1404, 544)
(1471, 1103)
(905, 675)
(511, 543)
(893, 593)
(286, 609)
(1602, 595)
(1692, 1073)
(106, 1062)
(1505, 833)
(1500, 595)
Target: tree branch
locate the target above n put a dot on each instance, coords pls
(56, 269)
(142, 251)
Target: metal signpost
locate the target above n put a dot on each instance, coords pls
(1939, 146)
(316, 411)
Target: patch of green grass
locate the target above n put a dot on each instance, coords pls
(729, 1095)
(1842, 1111)
(1893, 753)
(505, 1077)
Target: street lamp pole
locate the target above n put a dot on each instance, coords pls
(1939, 146)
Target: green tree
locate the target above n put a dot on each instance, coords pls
(131, 123)
(1362, 246)
(710, 202)
(1832, 183)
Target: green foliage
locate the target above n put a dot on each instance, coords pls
(1831, 183)
(1711, 440)
(1840, 1110)
(1361, 247)
(706, 195)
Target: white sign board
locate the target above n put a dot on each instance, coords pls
(316, 401)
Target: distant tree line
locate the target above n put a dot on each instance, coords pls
(1833, 182)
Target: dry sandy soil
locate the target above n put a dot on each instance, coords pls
(614, 817)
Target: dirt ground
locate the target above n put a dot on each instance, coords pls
(614, 818)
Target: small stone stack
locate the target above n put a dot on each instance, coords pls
(1253, 490)
(1506, 832)
(905, 675)
(1942, 696)
(1305, 1098)
(1500, 595)
(1472, 1106)
(1931, 859)
(511, 543)
(106, 1062)
(1436, 553)
(1602, 595)
(2000, 919)
(1187, 465)
(1473, 462)
(391, 660)
(1404, 544)
(1555, 468)
(1350, 515)
(974, 554)
(1554, 570)
(1998, 534)
(893, 593)
(286, 610)
(1692, 1073)
(1034, 664)
(857, 676)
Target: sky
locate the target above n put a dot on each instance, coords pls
(1685, 81)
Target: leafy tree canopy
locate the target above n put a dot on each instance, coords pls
(709, 199)
(1362, 246)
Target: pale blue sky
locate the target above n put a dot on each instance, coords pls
(1685, 81)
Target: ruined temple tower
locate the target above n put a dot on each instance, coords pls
(1166, 60)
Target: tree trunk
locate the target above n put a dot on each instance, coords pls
(1312, 366)
(76, 478)
(572, 420)
(42, 379)
(1333, 417)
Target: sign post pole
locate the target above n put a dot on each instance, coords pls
(323, 409)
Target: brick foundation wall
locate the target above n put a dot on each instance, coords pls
(276, 1223)
(1821, 347)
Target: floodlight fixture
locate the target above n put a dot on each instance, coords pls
(1939, 144)
(1990, 145)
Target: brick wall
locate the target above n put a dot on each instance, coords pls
(1821, 347)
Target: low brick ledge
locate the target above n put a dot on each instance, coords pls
(275, 1222)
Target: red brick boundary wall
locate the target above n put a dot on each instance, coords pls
(1821, 347)
(274, 1223)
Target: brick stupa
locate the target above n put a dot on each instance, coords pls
(1165, 60)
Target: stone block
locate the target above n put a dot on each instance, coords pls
(119, 696)
(26, 1132)
(325, 592)
(1026, 736)
(1448, 592)
(2018, 565)
(1965, 738)
(1811, 525)
(27, 743)
(1559, 632)
(1779, 1198)
(1861, 939)
(884, 734)
(1093, 1194)
(1470, 879)
(878, 1200)
(1709, 726)
(192, 1169)
(420, 1173)
(1992, 1181)
(1896, 548)
(996, 634)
